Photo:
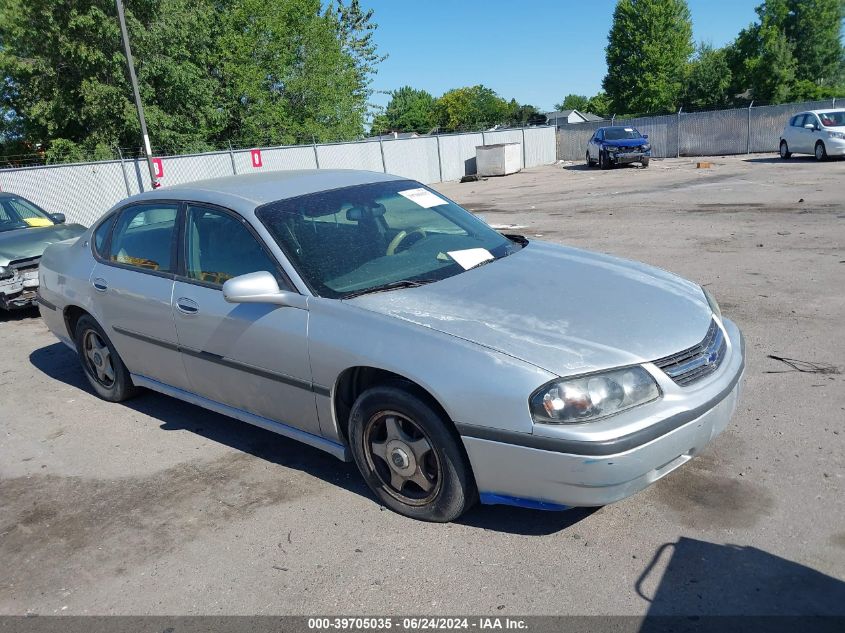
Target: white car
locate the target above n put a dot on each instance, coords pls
(817, 132)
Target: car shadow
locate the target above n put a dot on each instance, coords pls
(21, 314)
(583, 167)
(60, 363)
(793, 159)
(696, 578)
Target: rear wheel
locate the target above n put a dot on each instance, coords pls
(821, 151)
(409, 456)
(589, 161)
(784, 151)
(101, 363)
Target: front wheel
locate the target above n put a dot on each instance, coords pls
(821, 151)
(103, 368)
(645, 162)
(409, 456)
(784, 151)
(604, 160)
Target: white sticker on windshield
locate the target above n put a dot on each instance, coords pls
(629, 129)
(423, 197)
(470, 257)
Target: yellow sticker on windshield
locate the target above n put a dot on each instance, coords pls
(38, 221)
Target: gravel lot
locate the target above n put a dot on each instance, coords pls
(159, 507)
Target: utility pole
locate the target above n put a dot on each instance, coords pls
(138, 105)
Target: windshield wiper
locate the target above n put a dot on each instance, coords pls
(393, 285)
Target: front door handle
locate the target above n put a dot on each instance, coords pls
(100, 284)
(187, 306)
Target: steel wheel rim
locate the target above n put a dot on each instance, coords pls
(819, 151)
(783, 150)
(98, 358)
(402, 457)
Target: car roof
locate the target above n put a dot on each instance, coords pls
(825, 110)
(248, 191)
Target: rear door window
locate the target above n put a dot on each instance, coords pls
(143, 237)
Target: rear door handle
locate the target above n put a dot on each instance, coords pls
(100, 284)
(187, 306)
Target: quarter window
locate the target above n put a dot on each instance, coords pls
(219, 247)
(143, 237)
(101, 234)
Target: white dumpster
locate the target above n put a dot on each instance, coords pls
(498, 160)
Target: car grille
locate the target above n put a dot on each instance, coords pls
(698, 361)
(24, 265)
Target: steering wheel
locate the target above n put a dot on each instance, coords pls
(401, 236)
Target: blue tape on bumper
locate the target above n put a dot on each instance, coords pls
(491, 498)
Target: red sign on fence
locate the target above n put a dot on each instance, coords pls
(256, 158)
(158, 167)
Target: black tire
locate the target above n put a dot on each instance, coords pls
(645, 162)
(101, 363)
(442, 465)
(785, 154)
(604, 160)
(589, 162)
(820, 151)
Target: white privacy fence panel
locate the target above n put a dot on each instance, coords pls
(539, 146)
(414, 158)
(362, 155)
(83, 192)
(735, 131)
(275, 159)
(457, 154)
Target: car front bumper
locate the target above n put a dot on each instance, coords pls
(539, 474)
(628, 157)
(19, 290)
(835, 146)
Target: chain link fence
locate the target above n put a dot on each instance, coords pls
(714, 133)
(84, 191)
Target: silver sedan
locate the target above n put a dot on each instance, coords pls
(369, 316)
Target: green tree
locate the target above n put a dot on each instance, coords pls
(599, 104)
(408, 110)
(524, 114)
(793, 52)
(648, 47)
(470, 108)
(708, 80)
(210, 71)
(574, 102)
(65, 73)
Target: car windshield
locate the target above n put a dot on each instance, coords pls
(17, 213)
(380, 236)
(619, 133)
(833, 119)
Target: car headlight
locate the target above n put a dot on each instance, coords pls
(611, 148)
(6, 273)
(592, 397)
(646, 147)
(836, 135)
(711, 300)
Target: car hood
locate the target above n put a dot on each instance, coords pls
(31, 242)
(562, 309)
(626, 142)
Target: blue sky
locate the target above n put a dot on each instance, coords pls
(536, 54)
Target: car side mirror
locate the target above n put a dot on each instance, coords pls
(809, 126)
(58, 218)
(645, 135)
(261, 287)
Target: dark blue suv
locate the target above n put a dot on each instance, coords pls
(618, 145)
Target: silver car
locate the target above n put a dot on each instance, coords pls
(367, 315)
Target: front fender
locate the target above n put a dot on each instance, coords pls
(474, 384)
